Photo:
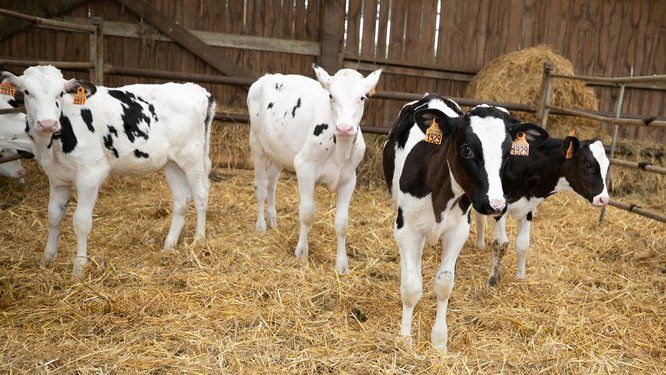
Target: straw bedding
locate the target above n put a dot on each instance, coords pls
(593, 301)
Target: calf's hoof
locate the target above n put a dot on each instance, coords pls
(494, 279)
(439, 341)
(301, 252)
(480, 245)
(260, 226)
(342, 268)
(79, 265)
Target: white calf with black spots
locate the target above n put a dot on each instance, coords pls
(312, 127)
(136, 129)
(433, 184)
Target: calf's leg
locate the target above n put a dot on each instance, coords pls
(180, 195)
(273, 176)
(522, 245)
(197, 181)
(500, 243)
(305, 172)
(410, 243)
(345, 192)
(480, 230)
(58, 199)
(260, 162)
(452, 242)
(87, 187)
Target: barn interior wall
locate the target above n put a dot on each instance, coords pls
(600, 37)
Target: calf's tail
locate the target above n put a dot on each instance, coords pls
(208, 122)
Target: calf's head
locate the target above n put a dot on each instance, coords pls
(348, 90)
(12, 169)
(475, 147)
(588, 166)
(44, 89)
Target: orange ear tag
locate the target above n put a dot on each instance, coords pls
(372, 92)
(569, 154)
(80, 96)
(433, 134)
(6, 89)
(519, 146)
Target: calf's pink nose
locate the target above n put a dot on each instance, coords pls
(498, 204)
(343, 129)
(20, 173)
(47, 124)
(602, 201)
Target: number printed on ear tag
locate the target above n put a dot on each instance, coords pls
(433, 134)
(6, 89)
(80, 96)
(519, 146)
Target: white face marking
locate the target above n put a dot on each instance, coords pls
(487, 106)
(491, 132)
(599, 153)
(442, 106)
(43, 84)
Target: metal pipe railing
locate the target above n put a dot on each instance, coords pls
(645, 166)
(636, 209)
(72, 65)
(615, 80)
(48, 23)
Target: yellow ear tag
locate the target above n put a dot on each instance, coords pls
(519, 146)
(80, 96)
(569, 154)
(372, 92)
(6, 89)
(433, 134)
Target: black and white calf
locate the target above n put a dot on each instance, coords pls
(13, 138)
(433, 186)
(528, 180)
(134, 129)
(312, 128)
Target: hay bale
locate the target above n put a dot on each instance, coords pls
(516, 78)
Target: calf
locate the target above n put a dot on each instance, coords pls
(13, 138)
(437, 163)
(551, 166)
(79, 139)
(312, 128)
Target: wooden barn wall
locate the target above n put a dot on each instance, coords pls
(601, 37)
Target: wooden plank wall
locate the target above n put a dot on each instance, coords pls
(600, 37)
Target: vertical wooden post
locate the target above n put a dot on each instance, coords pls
(98, 59)
(543, 108)
(331, 32)
(92, 42)
(618, 112)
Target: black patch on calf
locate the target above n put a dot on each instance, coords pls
(319, 129)
(87, 85)
(133, 114)
(399, 221)
(464, 203)
(140, 154)
(112, 130)
(211, 102)
(108, 143)
(298, 105)
(529, 216)
(65, 135)
(86, 115)
(13, 103)
(270, 105)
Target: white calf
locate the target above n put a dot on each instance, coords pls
(312, 128)
(134, 129)
(13, 138)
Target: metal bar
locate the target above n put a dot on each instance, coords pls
(616, 80)
(22, 155)
(618, 112)
(73, 65)
(637, 210)
(642, 166)
(180, 76)
(5, 111)
(616, 120)
(48, 23)
(244, 118)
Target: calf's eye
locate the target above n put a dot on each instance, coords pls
(466, 151)
(588, 166)
(62, 93)
(26, 92)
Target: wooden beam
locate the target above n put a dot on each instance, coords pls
(44, 8)
(185, 38)
(131, 30)
(332, 22)
(414, 72)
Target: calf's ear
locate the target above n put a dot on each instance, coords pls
(13, 80)
(570, 146)
(534, 134)
(322, 76)
(370, 82)
(424, 119)
(72, 85)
